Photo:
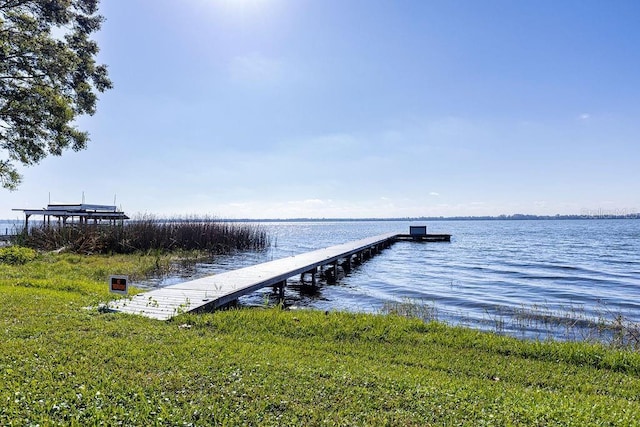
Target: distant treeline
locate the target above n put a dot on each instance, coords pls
(148, 233)
(595, 215)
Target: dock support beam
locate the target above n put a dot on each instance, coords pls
(346, 265)
(330, 274)
(358, 259)
(278, 288)
(313, 275)
(26, 223)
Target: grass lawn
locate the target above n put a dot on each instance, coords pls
(61, 364)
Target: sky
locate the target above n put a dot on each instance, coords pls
(357, 108)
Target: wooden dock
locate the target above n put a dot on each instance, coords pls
(216, 291)
(424, 237)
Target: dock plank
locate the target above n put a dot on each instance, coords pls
(221, 289)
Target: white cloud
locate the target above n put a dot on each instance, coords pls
(434, 194)
(585, 116)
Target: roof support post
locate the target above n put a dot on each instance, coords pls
(26, 223)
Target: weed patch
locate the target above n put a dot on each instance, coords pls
(17, 255)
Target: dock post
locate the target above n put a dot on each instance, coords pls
(313, 275)
(331, 273)
(346, 265)
(279, 289)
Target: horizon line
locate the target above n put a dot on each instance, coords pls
(600, 215)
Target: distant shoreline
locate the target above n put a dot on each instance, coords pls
(516, 217)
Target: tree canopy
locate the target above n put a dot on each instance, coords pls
(48, 77)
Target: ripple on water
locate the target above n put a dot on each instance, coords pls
(489, 271)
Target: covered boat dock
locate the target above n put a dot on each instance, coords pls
(81, 214)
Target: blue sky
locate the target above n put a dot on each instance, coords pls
(358, 108)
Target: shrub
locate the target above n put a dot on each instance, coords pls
(17, 255)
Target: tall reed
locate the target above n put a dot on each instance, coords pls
(540, 322)
(148, 233)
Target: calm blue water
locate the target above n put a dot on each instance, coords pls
(510, 276)
(10, 226)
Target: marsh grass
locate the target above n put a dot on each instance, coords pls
(576, 324)
(538, 321)
(61, 364)
(148, 233)
(417, 309)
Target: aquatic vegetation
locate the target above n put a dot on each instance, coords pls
(147, 233)
(571, 323)
(423, 310)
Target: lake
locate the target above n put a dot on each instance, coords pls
(531, 277)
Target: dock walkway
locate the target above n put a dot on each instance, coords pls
(219, 290)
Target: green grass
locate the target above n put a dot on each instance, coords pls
(61, 364)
